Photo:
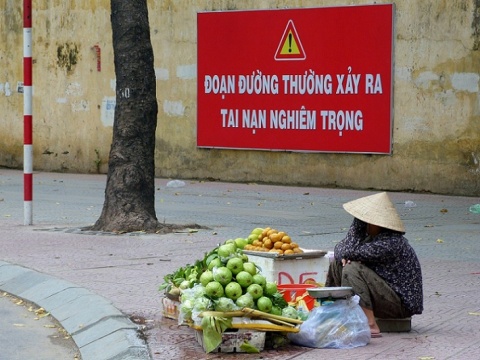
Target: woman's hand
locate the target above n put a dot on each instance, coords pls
(345, 262)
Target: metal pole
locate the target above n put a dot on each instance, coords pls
(27, 113)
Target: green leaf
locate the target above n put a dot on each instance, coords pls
(200, 266)
(213, 328)
(164, 286)
(178, 281)
(248, 348)
(209, 258)
(167, 280)
(279, 300)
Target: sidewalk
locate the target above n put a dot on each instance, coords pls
(27, 332)
(126, 270)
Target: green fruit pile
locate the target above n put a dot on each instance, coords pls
(225, 280)
(234, 282)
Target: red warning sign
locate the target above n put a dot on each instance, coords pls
(290, 46)
(309, 80)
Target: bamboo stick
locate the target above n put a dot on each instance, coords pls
(258, 327)
(265, 327)
(253, 314)
(280, 322)
(226, 314)
(243, 314)
(263, 315)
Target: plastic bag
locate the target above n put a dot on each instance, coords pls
(341, 324)
(191, 303)
(175, 183)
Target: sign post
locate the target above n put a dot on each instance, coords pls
(27, 113)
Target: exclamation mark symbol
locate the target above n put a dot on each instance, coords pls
(290, 42)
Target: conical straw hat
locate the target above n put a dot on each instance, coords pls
(377, 210)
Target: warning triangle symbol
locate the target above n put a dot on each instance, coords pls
(290, 46)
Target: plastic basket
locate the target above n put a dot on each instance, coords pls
(291, 292)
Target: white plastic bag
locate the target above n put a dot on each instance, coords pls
(341, 324)
(175, 183)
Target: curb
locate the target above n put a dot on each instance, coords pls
(100, 330)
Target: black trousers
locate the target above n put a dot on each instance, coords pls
(374, 292)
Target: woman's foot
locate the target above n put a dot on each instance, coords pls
(372, 323)
(375, 331)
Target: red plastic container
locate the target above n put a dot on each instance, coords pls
(291, 292)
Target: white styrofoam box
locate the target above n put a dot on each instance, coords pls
(299, 269)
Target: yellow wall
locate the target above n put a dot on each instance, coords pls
(436, 137)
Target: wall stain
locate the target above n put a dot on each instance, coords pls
(476, 26)
(68, 56)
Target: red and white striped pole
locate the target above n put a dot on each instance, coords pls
(27, 114)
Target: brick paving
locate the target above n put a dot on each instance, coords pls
(127, 269)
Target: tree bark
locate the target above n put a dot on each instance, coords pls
(130, 191)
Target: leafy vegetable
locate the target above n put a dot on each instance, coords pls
(188, 272)
(249, 348)
(213, 328)
(279, 300)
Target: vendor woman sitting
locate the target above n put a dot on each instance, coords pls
(376, 260)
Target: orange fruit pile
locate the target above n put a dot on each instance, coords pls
(272, 240)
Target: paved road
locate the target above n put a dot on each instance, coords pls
(127, 269)
(27, 333)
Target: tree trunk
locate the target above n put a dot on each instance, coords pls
(130, 191)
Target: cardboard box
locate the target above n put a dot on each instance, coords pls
(232, 340)
(309, 267)
(171, 308)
